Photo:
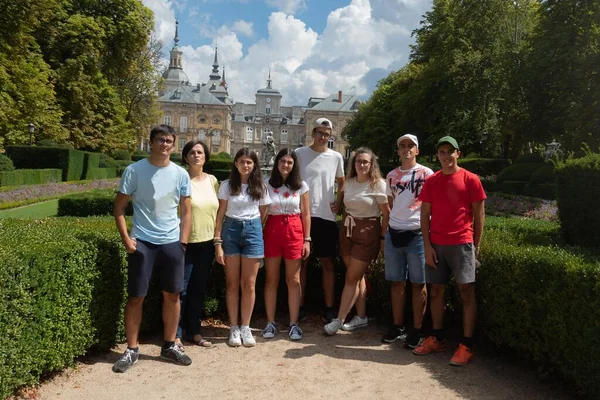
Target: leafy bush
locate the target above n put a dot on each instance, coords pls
(140, 153)
(542, 190)
(484, 166)
(122, 155)
(531, 296)
(221, 174)
(512, 187)
(519, 172)
(544, 175)
(138, 157)
(20, 177)
(176, 157)
(529, 158)
(52, 143)
(6, 163)
(33, 157)
(579, 217)
(107, 162)
(213, 164)
(101, 173)
(94, 202)
(62, 292)
(223, 156)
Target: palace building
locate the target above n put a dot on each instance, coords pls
(205, 111)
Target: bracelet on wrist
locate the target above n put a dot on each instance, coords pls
(308, 239)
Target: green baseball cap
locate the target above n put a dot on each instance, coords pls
(447, 139)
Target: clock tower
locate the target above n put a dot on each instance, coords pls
(268, 101)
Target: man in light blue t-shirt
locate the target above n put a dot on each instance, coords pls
(157, 188)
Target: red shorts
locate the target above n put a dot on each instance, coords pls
(284, 236)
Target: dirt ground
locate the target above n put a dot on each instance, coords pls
(349, 365)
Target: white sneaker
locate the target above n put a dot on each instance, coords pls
(355, 323)
(247, 338)
(270, 331)
(234, 337)
(295, 332)
(332, 327)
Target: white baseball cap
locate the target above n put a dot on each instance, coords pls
(323, 122)
(410, 137)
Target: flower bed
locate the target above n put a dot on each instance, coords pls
(23, 195)
(521, 206)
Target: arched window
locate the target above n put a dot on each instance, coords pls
(202, 119)
(284, 136)
(216, 120)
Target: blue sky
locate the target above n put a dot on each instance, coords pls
(312, 47)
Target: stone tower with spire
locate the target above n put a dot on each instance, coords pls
(215, 84)
(174, 75)
(268, 100)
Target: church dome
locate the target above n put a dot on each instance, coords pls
(175, 75)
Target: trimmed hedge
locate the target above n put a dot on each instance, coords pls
(86, 204)
(511, 187)
(62, 291)
(519, 172)
(20, 177)
(221, 174)
(484, 166)
(120, 155)
(214, 164)
(544, 175)
(33, 157)
(542, 301)
(101, 173)
(529, 158)
(578, 212)
(6, 163)
(90, 160)
(543, 190)
(107, 162)
(138, 157)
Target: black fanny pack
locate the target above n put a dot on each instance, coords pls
(402, 238)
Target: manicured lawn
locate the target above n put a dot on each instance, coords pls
(38, 210)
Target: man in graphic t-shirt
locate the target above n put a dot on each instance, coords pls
(452, 220)
(404, 252)
(320, 168)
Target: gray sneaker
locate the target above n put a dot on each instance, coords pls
(332, 327)
(355, 323)
(128, 358)
(175, 354)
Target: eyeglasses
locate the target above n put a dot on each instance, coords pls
(362, 162)
(324, 135)
(164, 141)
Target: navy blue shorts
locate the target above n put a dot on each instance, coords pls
(167, 258)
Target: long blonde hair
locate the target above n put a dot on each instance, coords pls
(374, 171)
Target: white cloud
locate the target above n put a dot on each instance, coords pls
(243, 27)
(361, 44)
(287, 6)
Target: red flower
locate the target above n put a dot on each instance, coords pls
(286, 194)
(275, 190)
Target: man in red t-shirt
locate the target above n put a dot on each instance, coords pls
(452, 219)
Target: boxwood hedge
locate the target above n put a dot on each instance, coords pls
(33, 157)
(62, 291)
(94, 202)
(20, 177)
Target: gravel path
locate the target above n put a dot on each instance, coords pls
(347, 366)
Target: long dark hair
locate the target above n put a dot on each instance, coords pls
(293, 180)
(256, 187)
(189, 146)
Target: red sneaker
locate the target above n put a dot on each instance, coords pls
(430, 345)
(461, 356)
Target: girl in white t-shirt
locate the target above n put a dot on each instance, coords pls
(287, 235)
(361, 237)
(243, 202)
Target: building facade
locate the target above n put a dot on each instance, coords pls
(205, 111)
(201, 111)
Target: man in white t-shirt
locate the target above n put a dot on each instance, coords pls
(404, 250)
(320, 168)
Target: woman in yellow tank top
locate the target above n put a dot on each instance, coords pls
(200, 252)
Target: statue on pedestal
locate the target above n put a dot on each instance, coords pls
(268, 151)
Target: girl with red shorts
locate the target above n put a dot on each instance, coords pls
(286, 235)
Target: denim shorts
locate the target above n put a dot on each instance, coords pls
(243, 237)
(405, 263)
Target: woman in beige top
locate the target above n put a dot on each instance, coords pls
(200, 250)
(361, 236)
